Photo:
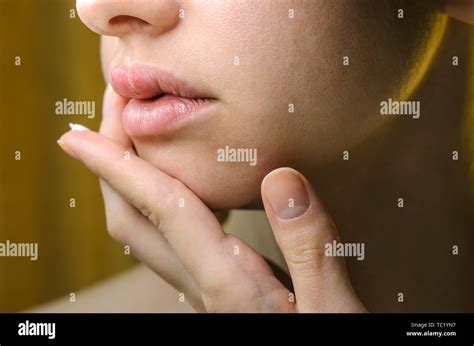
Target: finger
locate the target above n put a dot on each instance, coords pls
(230, 275)
(187, 224)
(302, 229)
(111, 124)
(126, 225)
(129, 227)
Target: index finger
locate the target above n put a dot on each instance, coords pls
(190, 227)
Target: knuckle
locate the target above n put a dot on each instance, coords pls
(213, 295)
(239, 296)
(117, 230)
(219, 290)
(214, 286)
(145, 211)
(219, 297)
(306, 251)
(155, 204)
(232, 286)
(307, 256)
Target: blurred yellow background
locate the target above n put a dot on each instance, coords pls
(59, 59)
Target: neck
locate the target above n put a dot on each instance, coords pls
(410, 161)
(404, 195)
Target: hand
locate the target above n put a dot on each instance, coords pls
(187, 247)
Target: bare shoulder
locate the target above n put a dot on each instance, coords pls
(135, 290)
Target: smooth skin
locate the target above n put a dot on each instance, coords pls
(281, 61)
(187, 247)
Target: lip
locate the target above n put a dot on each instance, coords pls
(159, 103)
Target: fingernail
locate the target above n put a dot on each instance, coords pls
(67, 146)
(286, 192)
(78, 127)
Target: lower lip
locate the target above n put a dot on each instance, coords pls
(168, 113)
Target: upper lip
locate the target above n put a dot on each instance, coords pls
(144, 81)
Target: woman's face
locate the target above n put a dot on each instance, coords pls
(274, 70)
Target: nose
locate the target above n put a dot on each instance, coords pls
(126, 17)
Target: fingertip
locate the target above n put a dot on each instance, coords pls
(63, 143)
(293, 207)
(111, 125)
(71, 141)
(284, 194)
(276, 172)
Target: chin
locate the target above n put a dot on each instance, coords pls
(220, 186)
(224, 188)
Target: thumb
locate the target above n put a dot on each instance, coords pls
(302, 228)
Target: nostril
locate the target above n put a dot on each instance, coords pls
(133, 22)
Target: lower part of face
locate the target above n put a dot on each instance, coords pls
(296, 83)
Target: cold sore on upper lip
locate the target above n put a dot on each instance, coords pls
(145, 81)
